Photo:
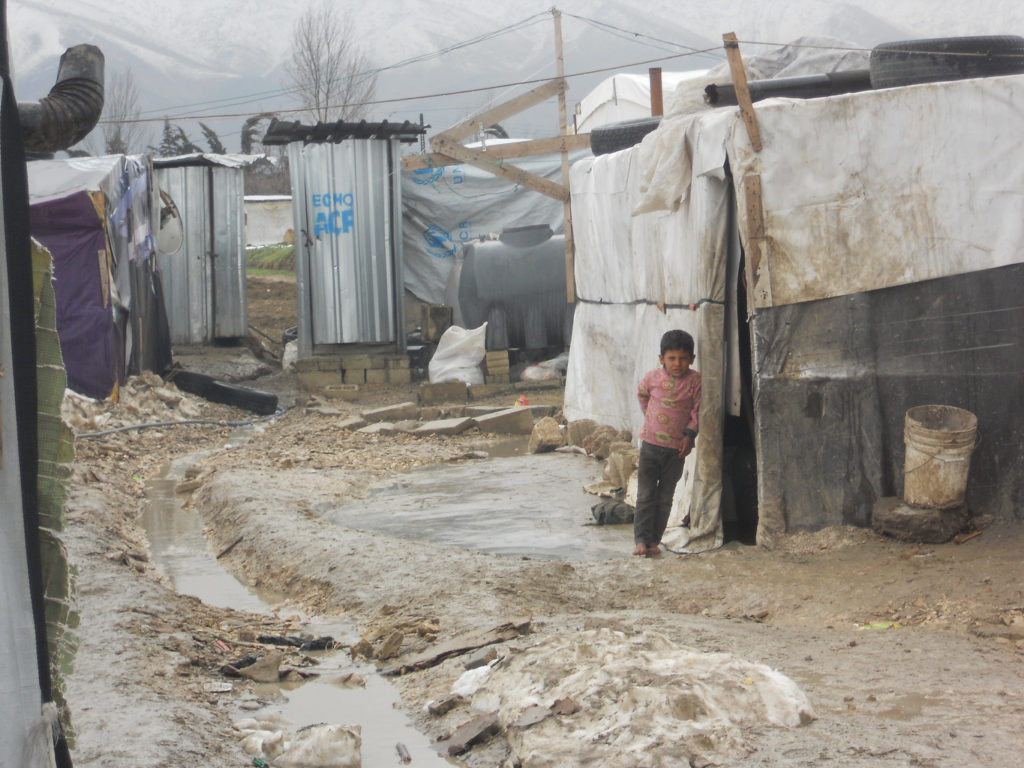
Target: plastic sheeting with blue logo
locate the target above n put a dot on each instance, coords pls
(446, 208)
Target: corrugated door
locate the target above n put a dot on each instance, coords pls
(187, 274)
(346, 199)
(226, 185)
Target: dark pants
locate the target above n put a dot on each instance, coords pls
(657, 474)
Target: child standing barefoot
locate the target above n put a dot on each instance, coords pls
(670, 398)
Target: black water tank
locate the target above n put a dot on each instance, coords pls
(517, 285)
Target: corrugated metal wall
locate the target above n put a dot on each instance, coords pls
(347, 203)
(204, 282)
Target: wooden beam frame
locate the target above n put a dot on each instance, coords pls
(513, 173)
(739, 81)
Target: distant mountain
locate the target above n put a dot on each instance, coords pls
(225, 57)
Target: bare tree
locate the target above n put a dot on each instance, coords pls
(328, 69)
(121, 132)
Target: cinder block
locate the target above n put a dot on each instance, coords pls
(496, 378)
(444, 427)
(392, 413)
(354, 376)
(318, 380)
(399, 375)
(514, 421)
(398, 361)
(445, 392)
(477, 391)
(306, 365)
(328, 363)
(364, 361)
(376, 376)
(342, 391)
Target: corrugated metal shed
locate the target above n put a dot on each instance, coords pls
(347, 202)
(204, 281)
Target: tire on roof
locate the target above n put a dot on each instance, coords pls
(945, 58)
(606, 139)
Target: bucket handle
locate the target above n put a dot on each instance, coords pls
(977, 442)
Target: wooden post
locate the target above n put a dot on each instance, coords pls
(739, 81)
(657, 102)
(570, 270)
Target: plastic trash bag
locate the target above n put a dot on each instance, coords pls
(554, 368)
(458, 356)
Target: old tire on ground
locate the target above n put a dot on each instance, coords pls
(606, 139)
(945, 58)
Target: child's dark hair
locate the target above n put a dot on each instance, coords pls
(677, 340)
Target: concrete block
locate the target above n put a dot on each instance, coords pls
(477, 391)
(354, 376)
(306, 365)
(399, 375)
(398, 361)
(445, 426)
(482, 410)
(514, 421)
(364, 361)
(430, 413)
(328, 363)
(398, 412)
(318, 380)
(445, 392)
(352, 423)
(342, 391)
(379, 428)
(496, 378)
(545, 384)
(376, 376)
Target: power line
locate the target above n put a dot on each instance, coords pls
(437, 95)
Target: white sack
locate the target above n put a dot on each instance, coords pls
(458, 356)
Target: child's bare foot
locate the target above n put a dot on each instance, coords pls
(641, 549)
(653, 551)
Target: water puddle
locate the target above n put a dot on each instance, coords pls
(530, 505)
(180, 550)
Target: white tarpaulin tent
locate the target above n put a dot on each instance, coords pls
(625, 96)
(888, 229)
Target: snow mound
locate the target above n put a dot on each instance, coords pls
(636, 701)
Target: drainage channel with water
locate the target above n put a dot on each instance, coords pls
(180, 549)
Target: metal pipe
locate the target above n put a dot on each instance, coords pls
(808, 87)
(72, 108)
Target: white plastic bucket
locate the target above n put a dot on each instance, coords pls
(939, 441)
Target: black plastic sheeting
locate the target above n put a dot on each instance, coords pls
(834, 379)
(519, 290)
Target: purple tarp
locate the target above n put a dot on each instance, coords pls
(73, 232)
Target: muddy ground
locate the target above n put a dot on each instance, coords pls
(907, 654)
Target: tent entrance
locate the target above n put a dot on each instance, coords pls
(739, 456)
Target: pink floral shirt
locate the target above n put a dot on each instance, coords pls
(670, 405)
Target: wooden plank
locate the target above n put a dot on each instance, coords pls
(502, 111)
(657, 100)
(512, 173)
(760, 293)
(739, 81)
(546, 146)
